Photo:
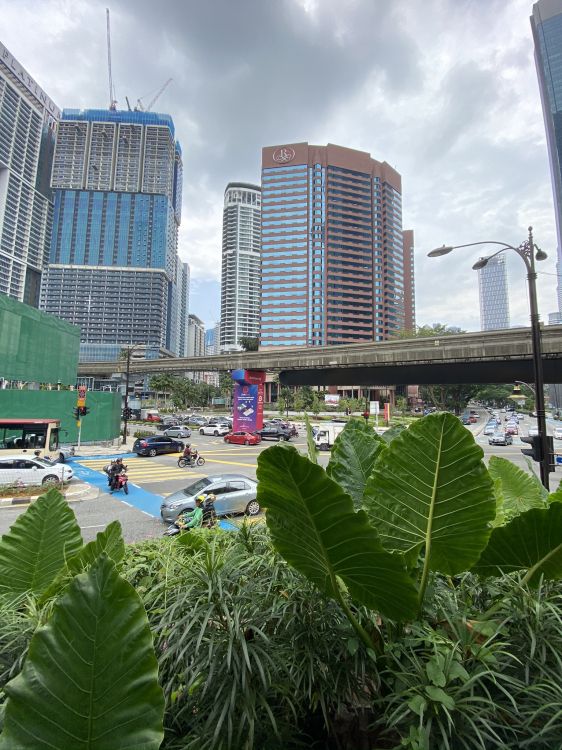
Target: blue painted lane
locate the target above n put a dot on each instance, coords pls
(147, 502)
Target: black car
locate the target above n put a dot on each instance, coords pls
(150, 446)
(274, 432)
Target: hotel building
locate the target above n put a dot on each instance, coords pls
(334, 265)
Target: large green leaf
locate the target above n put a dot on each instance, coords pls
(38, 544)
(518, 490)
(353, 458)
(311, 445)
(392, 432)
(531, 541)
(90, 679)
(430, 490)
(109, 541)
(314, 526)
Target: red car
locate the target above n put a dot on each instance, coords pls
(242, 438)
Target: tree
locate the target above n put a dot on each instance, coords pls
(436, 329)
(449, 397)
(249, 343)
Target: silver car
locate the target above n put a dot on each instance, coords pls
(177, 431)
(235, 493)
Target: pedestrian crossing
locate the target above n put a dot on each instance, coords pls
(148, 470)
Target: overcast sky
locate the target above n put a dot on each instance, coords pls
(444, 90)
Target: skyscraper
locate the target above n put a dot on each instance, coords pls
(240, 278)
(494, 302)
(333, 267)
(546, 23)
(28, 119)
(409, 278)
(113, 264)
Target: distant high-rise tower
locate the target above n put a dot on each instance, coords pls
(409, 281)
(240, 279)
(113, 265)
(494, 301)
(546, 23)
(333, 268)
(28, 120)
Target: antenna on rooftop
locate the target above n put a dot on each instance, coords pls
(112, 100)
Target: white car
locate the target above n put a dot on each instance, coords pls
(557, 433)
(533, 431)
(214, 429)
(30, 470)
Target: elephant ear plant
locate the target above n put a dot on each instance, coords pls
(384, 516)
(90, 676)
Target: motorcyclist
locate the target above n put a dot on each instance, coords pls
(209, 512)
(114, 469)
(189, 453)
(191, 519)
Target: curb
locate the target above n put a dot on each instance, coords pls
(81, 491)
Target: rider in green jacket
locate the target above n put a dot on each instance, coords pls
(190, 519)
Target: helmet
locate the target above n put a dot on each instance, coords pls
(211, 496)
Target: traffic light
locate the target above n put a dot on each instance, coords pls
(535, 451)
(127, 413)
(77, 413)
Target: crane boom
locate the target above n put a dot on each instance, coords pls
(158, 94)
(112, 102)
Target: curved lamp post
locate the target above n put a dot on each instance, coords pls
(528, 252)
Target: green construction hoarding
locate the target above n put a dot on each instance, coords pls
(36, 347)
(101, 423)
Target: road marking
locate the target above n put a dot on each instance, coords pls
(97, 526)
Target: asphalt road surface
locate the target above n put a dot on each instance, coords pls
(150, 479)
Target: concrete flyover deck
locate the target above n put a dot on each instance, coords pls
(481, 357)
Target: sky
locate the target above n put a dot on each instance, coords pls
(443, 90)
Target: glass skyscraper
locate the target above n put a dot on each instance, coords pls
(113, 264)
(240, 277)
(494, 300)
(333, 259)
(546, 23)
(28, 121)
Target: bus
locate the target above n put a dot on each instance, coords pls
(37, 436)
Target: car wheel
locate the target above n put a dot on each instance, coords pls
(50, 479)
(201, 432)
(215, 433)
(246, 442)
(287, 438)
(253, 508)
(226, 440)
(152, 452)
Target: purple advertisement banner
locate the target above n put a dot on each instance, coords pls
(245, 407)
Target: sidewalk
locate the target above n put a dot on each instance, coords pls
(113, 448)
(76, 492)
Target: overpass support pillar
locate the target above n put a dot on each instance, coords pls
(247, 399)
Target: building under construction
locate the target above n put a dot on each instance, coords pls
(113, 264)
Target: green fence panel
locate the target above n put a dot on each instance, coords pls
(36, 347)
(101, 423)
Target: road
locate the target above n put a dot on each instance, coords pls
(150, 479)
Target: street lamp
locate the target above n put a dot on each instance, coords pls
(528, 252)
(129, 350)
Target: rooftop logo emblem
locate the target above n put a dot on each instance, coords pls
(284, 155)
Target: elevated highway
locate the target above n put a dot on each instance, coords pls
(481, 357)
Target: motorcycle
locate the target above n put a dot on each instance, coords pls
(190, 462)
(120, 482)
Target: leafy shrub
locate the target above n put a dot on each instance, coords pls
(143, 433)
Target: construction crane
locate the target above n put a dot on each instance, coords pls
(112, 100)
(153, 101)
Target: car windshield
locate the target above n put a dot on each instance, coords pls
(196, 487)
(44, 461)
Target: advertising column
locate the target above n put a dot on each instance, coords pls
(247, 402)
